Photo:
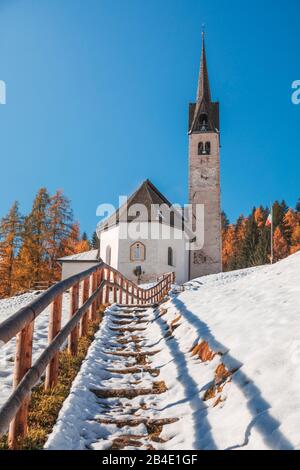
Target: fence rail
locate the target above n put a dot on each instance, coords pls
(89, 290)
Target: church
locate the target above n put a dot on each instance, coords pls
(147, 237)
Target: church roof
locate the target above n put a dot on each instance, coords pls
(204, 104)
(148, 196)
(86, 256)
(203, 82)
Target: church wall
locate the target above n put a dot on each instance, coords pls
(110, 238)
(156, 262)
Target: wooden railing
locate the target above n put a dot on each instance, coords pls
(99, 285)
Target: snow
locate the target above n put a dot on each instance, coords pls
(7, 352)
(91, 255)
(251, 319)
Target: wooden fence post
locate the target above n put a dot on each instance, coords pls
(115, 288)
(127, 293)
(132, 294)
(84, 326)
(23, 358)
(73, 338)
(101, 277)
(93, 312)
(107, 277)
(53, 329)
(121, 290)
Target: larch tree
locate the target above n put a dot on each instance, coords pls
(33, 256)
(259, 216)
(281, 248)
(228, 245)
(290, 222)
(60, 217)
(75, 243)
(10, 239)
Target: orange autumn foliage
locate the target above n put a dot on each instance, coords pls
(31, 245)
(281, 249)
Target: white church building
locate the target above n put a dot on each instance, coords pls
(146, 237)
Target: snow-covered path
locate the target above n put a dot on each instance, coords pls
(225, 359)
(116, 401)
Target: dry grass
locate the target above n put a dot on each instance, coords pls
(45, 405)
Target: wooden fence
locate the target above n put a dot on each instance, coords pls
(90, 289)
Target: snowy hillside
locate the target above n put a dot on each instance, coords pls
(7, 352)
(228, 353)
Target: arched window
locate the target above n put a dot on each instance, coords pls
(108, 255)
(200, 148)
(203, 122)
(170, 257)
(137, 252)
(207, 148)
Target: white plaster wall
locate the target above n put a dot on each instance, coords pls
(110, 237)
(70, 268)
(156, 262)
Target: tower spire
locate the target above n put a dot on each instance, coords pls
(203, 82)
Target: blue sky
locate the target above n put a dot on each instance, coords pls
(98, 93)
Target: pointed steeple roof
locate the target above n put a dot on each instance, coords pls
(203, 82)
(204, 105)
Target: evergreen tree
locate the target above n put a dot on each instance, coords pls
(248, 246)
(279, 211)
(298, 206)
(95, 241)
(60, 225)
(85, 238)
(263, 248)
(10, 239)
(224, 221)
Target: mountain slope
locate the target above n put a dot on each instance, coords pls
(228, 349)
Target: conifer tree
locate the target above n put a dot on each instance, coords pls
(248, 245)
(85, 238)
(263, 248)
(290, 221)
(33, 257)
(228, 246)
(10, 239)
(259, 216)
(74, 243)
(60, 225)
(295, 239)
(224, 221)
(279, 211)
(95, 241)
(281, 249)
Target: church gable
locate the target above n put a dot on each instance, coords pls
(148, 197)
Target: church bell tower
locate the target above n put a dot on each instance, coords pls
(204, 175)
